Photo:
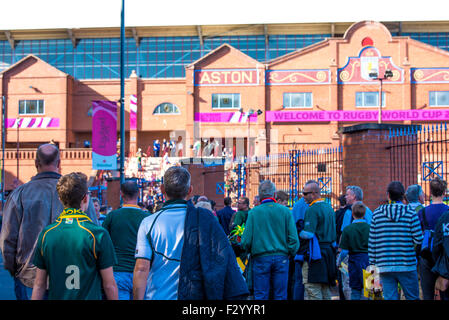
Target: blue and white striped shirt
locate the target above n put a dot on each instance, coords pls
(395, 229)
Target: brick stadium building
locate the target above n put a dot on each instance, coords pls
(200, 82)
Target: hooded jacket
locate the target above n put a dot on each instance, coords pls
(208, 268)
(394, 232)
(440, 250)
(28, 210)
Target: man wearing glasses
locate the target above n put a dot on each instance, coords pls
(319, 269)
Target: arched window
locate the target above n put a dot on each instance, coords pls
(166, 108)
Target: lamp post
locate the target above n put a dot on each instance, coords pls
(122, 94)
(17, 146)
(375, 76)
(3, 149)
(250, 113)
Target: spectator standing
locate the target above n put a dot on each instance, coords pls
(353, 194)
(319, 269)
(224, 215)
(395, 256)
(339, 214)
(180, 147)
(76, 254)
(97, 207)
(270, 237)
(298, 212)
(239, 218)
(197, 148)
(415, 197)
(440, 255)
(256, 201)
(28, 210)
(354, 241)
(156, 148)
(183, 252)
(428, 218)
(282, 198)
(122, 225)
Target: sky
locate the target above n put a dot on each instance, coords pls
(49, 14)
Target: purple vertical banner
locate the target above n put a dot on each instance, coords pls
(133, 112)
(104, 135)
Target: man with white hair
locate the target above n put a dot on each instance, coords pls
(270, 237)
(173, 245)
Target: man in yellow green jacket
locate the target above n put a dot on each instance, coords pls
(270, 237)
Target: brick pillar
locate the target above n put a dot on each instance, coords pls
(366, 160)
(204, 181)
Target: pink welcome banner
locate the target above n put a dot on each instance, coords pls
(356, 115)
(104, 135)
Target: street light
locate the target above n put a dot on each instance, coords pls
(250, 113)
(17, 145)
(375, 76)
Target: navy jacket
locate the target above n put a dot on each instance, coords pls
(224, 217)
(440, 249)
(208, 268)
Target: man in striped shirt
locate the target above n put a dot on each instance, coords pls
(394, 232)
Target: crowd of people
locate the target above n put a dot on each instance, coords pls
(57, 243)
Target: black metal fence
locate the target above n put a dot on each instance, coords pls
(289, 171)
(419, 154)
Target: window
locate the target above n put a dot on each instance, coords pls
(31, 107)
(438, 98)
(166, 108)
(298, 100)
(368, 99)
(226, 101)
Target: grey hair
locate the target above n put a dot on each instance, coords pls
(204, 204)
(267, 189)
(413, 193)
(177, 182)
(316, 187)
(357, 191)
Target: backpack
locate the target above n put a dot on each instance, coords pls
(427, 243)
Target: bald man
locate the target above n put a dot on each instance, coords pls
(28, 210)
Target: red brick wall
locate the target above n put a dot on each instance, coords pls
(367, 163)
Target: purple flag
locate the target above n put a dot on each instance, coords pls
(104, 135)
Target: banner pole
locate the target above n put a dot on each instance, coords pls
(122, 95)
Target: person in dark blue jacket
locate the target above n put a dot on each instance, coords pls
(440, 252)
(224, 215)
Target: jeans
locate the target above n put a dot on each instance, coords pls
(357, 294)
(22, 291)
(428, 279)
(408, 281)
(270, 272)
(124, 282)
(298, 286)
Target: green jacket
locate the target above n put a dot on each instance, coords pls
(270, 230)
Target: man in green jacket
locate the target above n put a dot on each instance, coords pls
(123, 225)
(270, 237)
(319, 269)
